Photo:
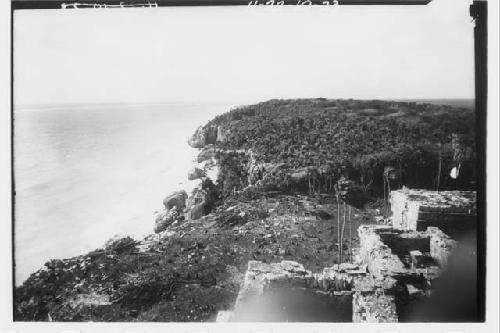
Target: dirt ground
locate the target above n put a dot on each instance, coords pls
(299, 228)
(194, 268)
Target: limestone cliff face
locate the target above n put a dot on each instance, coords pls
(204, 135)
(207, 153)
(203, 197)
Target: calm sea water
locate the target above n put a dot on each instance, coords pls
(85, 173)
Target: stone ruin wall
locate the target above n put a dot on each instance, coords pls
(374, 280)
(441, 246)
(371, 299)
(371, 281)
(452, 211)
(404, 213)
(374, 307)
(374, 253)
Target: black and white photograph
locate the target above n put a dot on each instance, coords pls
(255, 162)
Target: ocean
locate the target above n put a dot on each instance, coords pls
(85, 173)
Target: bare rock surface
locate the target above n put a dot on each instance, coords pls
(196, 173)
(207, 153)
(177, 199)
(204, 135)
(165, 218)
(195, 204)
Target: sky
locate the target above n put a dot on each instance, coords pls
(214, 54)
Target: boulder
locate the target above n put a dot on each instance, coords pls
(196, 173)
(177, 199)
(203, 136)
(165, 218)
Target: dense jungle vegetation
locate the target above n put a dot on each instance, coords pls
(355, 139)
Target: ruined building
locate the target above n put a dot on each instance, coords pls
(454, 212)
(393, 271)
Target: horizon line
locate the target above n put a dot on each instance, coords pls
(54, 105)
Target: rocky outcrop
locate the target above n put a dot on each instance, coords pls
(266, 173)
(202, 200)
(207, 153)
(221, 134)
(196, 211)
(196, 173)
(204, 135)
(196, 203)
(224, 131)
(165, 218)
(197, 140)
(177, 199)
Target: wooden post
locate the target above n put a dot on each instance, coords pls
(338, 229)
(350, 235)
(342, 234)
(439, 170)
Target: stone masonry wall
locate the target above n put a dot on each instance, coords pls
(389, 259)
(374, 307)
(452, 211)
(441, 246)
(376, 254)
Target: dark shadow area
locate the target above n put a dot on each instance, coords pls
(454, 225)
(404, 244)
(453, 296)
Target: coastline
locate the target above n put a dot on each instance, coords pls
(249, 203)
(91, 172)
